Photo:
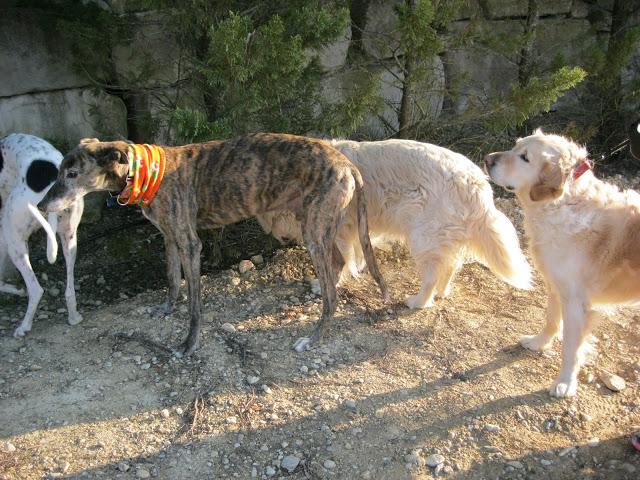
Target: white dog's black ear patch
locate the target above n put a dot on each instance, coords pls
(41, 174)
(1, 161)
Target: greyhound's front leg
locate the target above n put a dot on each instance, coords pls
(189, 248)
(174, 275)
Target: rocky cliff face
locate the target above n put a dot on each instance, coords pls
(42, 92)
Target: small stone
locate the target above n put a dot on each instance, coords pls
(254, 472)
(231, 420)
(489, 427)
(593, 442)
(585, 417)
(546, 462)
(142, 473)
(329, 464)
(628, 467)
(590, 377)
(7, 447)
(165, 413)
(266, 389)
(245, 265)
(100, 280)
(304, 369)
(414, 459)
(270, 471)
(123, 467)
(290, 463)
(435, 460)
(257, 259)
(179, 411)
(252, 380)
(515, 464)
(566, 451)
(350, 404)
(54, 292)
(145, 366)
(612, 382)
(235, 281)
(227, 327)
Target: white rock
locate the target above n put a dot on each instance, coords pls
(546, 462)
(235, 281)
(266, 389)
(165, 413)
(566, 451)
(350, 404)
(142, 473)
(231, 420)
(179, 410)
(252, 380)
(245, 265)
(290, 463)
(329, 464)
(304, 369)
(515, 464)
(593, 442)
(7, 447)
(612, 382)
(489, 427)
(227, 327)
(123, 467)
(435, 460)
(270, 471)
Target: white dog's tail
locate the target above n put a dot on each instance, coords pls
(50, 228)
(495, 243)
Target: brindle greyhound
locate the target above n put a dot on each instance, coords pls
(213, 184)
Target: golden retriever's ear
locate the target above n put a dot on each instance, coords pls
(550, 183)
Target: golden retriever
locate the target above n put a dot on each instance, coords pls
(584, 236)
(436, 201)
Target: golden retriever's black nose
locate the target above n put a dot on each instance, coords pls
(490, 159)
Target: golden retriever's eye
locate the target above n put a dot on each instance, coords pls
(524, 158)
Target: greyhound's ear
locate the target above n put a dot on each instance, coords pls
(110, 155)
(550, 183)
(84, 141)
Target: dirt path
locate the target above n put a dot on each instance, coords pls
(385, 391)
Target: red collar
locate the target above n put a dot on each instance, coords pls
(583, 167)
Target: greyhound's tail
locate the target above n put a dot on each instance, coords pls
(50, 228)
(363, 234)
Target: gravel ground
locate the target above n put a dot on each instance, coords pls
(389, 394)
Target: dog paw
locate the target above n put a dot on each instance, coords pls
(446, 292)
(74, 319)
(20, 331)
(10, 289)
(564, 388)
(302, 344)
(162, 309)
(416, 301)
(537, 343)
(315, 286)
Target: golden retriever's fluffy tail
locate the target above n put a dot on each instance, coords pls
(496, 245)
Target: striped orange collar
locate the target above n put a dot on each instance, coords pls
(146, 169)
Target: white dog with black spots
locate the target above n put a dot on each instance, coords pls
(28, 168)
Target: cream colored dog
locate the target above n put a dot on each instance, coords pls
(436, 201)
(584, 236)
